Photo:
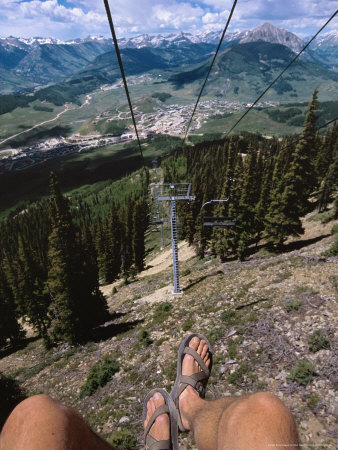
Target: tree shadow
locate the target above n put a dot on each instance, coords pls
(11, 395)
(297, 245)
(109, 330)
(17, 346)
(198, 280)
(149, 250)
(291, 246)
(113, 316)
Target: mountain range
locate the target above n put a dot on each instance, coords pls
(78, 66)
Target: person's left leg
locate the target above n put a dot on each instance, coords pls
(40, 423)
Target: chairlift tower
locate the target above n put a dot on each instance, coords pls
(173, 192)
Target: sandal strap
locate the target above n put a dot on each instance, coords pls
(197, 357)
(153, 444)
(195, 381)
(163, 409)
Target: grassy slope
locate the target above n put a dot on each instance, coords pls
(267, 342)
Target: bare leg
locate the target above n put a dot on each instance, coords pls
(40, 423)
(253, 422)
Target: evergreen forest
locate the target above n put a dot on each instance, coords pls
(55, 254)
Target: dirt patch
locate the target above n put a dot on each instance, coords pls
(158, 264)
(165, 259)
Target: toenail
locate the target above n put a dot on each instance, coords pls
(157, 396)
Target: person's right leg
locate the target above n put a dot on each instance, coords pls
(257, 421)
(41, 423)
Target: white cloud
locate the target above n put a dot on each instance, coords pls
(67, 19)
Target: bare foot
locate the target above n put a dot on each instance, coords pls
(189, 399)
(161, 428)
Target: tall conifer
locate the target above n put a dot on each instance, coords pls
(32, 299)
(74, 309)
(10, 330)
(139, 228)
(114, 237)
(291, 198)
(245, 219)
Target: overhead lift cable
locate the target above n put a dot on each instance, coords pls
(283, 71)
(211, 65)
(110, 20)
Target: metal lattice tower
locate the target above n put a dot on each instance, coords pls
(172, 193)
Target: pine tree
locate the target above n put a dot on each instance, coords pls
(262, 206)
(227, 239)
(220, 242)
(325, 155)
(75, 310)
(139, 228)
(307, 149)
(10, 330)
(245, 220)
(101, 244)
(330, 182)
(31, 297)
(126, 241)
(114, 236)
(290, 197)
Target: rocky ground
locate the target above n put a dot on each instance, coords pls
(264, 316)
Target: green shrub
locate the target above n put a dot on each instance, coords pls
(303, 372)
(313, 400)
(333, 250)
(232, 349)
(237, 377)
(187, 324)
(228, 316)
(334, 281)
(294, 305)
(162, 311)
(123, 439)
(144, 337)
(215, 334)
(99, 375)
(318, 341)
(163, 307)
(334, 229)
(160, 341)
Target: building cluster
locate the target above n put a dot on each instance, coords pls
(167, 119)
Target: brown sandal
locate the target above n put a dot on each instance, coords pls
(169, 408)
(197, 380)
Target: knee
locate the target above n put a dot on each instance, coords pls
(267, 404)
(261, 406)
(31, 405)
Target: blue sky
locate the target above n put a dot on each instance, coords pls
(79, 18)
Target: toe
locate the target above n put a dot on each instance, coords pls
(205, 350)
(158, 399)
(194, 343)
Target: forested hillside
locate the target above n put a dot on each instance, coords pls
(55, 253)
(58, 250)
(269, 184)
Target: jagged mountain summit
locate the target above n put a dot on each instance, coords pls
(265, 32)
(273, 35)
